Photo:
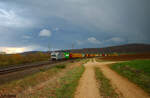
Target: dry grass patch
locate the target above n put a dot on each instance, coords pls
(106, 89)
(62, 85)
(18, 86)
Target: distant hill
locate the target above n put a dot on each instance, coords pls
(127, 48)
(32, 52)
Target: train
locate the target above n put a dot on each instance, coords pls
(61, 55)
(65, 55)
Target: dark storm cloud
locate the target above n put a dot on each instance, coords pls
(105, 22)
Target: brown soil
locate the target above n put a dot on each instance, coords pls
(127, 57)
(87, 87)
(121, 84)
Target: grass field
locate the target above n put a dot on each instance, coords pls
(137, 71)
(106, 90)
(69, 83)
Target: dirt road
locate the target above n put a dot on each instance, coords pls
(88, 87)
(121, 84)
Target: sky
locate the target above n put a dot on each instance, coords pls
(33, 25)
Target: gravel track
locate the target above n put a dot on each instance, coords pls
(122, 85)
(88, 87)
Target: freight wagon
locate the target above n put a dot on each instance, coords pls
(67, 55)
(76, 55)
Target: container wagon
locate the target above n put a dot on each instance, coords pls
(76, 55)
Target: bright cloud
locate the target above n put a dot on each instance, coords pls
(93, 40)
(10, 50)
(45, 33)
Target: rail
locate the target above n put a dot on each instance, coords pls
(25, 66)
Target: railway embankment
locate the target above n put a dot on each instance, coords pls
(22, 84)
(19, 72)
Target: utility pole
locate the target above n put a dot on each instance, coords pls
(49, 48)
(72, 45)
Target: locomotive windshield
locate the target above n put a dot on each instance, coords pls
(53, 55)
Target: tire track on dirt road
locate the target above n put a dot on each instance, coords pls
(121, 84)
(88, 87)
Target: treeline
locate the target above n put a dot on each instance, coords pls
(17, 59)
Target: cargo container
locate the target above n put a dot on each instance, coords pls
(70, 55)
(76, 55)
(115, 54)
(97, 55)
(94, 55)
(91, 55)
(87, 55)
(103, 54)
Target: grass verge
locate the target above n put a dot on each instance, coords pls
(30, 81)
(85, 61)
(69, 83)
(137, 71)
(105, 88)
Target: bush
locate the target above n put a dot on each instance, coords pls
(16, 59)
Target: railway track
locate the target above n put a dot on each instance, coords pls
(26, 66)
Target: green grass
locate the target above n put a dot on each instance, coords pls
(60, 66)
(69, 83)
(105, 88)
(137, 71)
(85, 61)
